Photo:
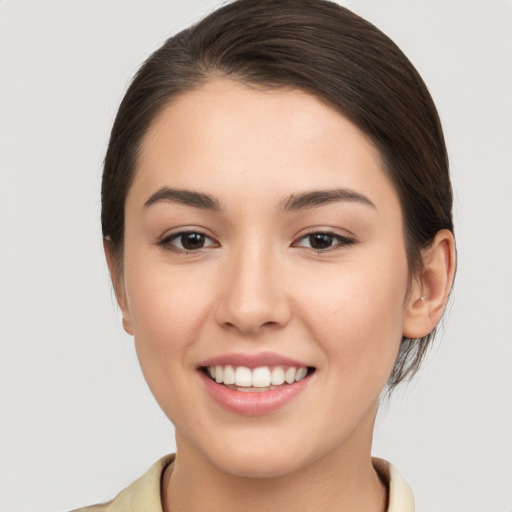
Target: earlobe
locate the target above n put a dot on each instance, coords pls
(430, 291)
(117, 283)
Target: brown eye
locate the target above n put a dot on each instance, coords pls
(323, 241)
(192, 241)
(187, 241)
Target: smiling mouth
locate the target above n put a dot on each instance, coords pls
(256, 380)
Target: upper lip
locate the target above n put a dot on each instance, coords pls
(253, 360)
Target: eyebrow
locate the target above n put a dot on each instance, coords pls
(294, 202)
(186, 197)
(316, 198)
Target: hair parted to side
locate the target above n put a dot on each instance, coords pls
(323, 49)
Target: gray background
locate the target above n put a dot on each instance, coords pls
(77, 421)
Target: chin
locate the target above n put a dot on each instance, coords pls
(266, 452)
(261, 464)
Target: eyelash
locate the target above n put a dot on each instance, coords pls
(342, 241)
(167, 242)
(167, 245)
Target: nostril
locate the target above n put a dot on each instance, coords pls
(249, 304)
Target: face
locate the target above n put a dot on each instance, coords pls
(263, 242)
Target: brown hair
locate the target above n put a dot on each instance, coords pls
(328, 51)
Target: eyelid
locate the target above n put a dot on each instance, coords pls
(165, 241)
(343, 240)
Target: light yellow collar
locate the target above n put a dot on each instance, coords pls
(143, 495)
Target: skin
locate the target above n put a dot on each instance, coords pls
(258, 285)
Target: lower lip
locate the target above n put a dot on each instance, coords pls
(253, 403)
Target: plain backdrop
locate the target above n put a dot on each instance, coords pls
(77, 422)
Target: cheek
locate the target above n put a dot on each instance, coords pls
(357, 314)
(167, 307)
(168, 310)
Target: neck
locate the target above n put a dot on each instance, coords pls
(343, 479)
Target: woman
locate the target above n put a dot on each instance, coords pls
(276, 212)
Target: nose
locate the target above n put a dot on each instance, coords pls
(252, 296)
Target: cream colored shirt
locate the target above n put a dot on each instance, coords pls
(144, 494)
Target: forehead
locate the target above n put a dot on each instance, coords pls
(230, 139)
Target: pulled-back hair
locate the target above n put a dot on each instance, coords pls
(328, 51)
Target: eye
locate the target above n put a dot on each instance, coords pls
(187, 241)
(323, 241)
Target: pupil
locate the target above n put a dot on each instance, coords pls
(191, 241)
(320, 240)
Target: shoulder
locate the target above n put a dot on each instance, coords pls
(141, 495)
(400, 497)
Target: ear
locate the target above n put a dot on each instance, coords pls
(429, 292)
(118, 284)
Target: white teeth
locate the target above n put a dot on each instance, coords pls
(301, 373)
(243, 377)
(262, 377)
(218, 373)
(229, 375)
(289, 375)
(277, 377)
